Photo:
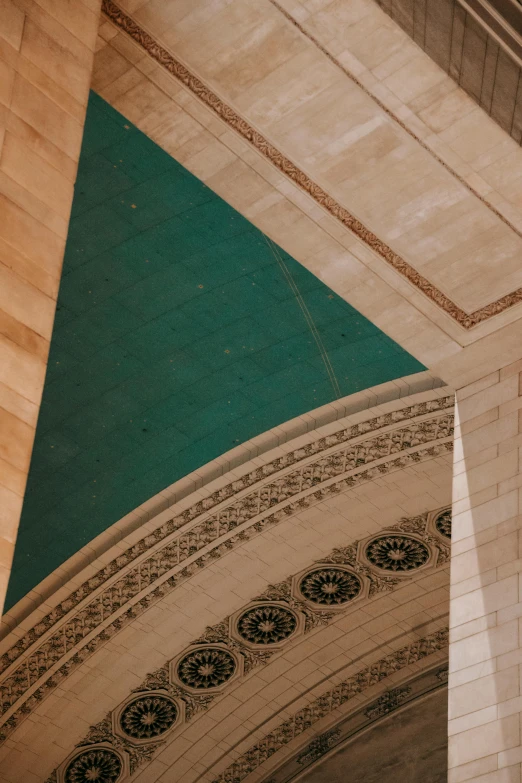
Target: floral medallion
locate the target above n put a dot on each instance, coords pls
(266, 624)
(94, 765)
(148, 717)
(207, 667)
(330, 586)
(397, 553)
(443, 523)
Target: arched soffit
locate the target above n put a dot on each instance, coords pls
(147, 599)
(181, 331)
(295, 650)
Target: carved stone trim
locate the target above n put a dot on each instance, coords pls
(223, 639)
(165, 568)
(319, 746)
(388, 702)
(329, 702)
(290, 170)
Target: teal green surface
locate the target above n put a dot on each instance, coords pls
(177, 337)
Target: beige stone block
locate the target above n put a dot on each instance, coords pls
(7, 74)
(482, 741)
(57, 62)
(12, 23)
(17, 440)
(10, 510)
(23, 336)
(12, 478)
(484, 600)
(483, 646)
(485, 516)
(38, 111)
(42, 146)
(414, 78)
(448, 109)
(475, 423)
(22, 372)
(26, 303)
(28, 270)
(19, 406)
(476, 499)
(80, 20)
(34, 207)
(483, 558)
(473, 770)
(472, 720)
(493, 471)
(489, 398)
(36, 175)
(72, 104)
(486, 455)
(483, 692)
(30, 237)
(109, 65)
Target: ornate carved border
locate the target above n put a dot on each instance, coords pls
(188, 550)
(222, 635)
(290, 170)
(330, 701)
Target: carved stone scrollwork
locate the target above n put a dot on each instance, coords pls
(318, 747)
(388, 702)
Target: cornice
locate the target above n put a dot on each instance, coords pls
(227, 114)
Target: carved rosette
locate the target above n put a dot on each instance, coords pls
(98, 763)
(147, 717)
(206, 668)
(443, 523)
(329, 586)
(396, 553)
(266, 624)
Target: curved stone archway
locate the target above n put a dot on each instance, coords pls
(211, 555)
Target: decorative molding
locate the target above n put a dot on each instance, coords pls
(220, 655)
(329, 702)
(134, 589)
(319, 746)
(180, 72)
(388, 702)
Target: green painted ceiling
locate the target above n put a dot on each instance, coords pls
(178, 335)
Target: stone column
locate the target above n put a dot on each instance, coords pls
(46, 54)
(485, 614)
